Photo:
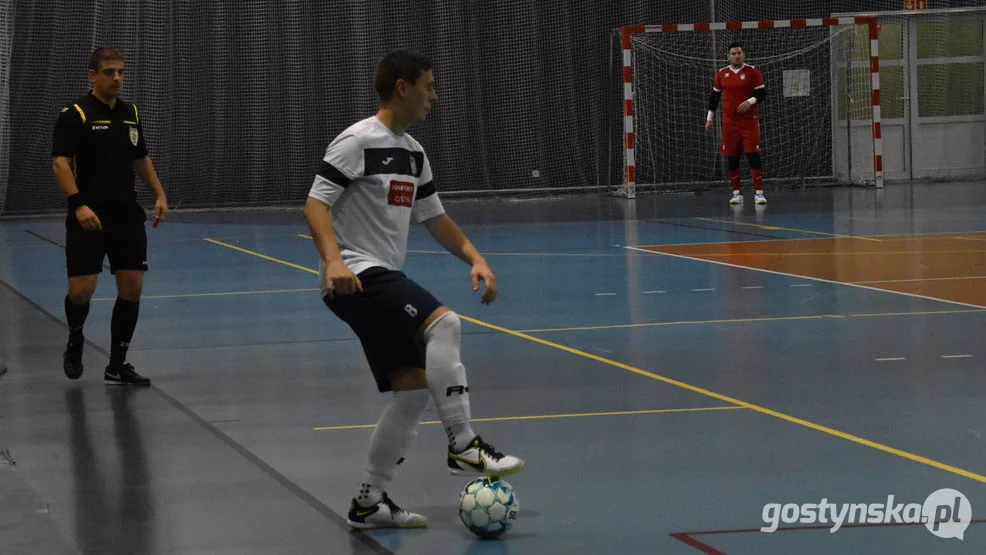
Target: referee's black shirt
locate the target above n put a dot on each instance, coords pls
(102, 143)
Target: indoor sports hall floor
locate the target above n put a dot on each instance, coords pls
(667, 367)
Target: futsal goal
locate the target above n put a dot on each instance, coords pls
(807, 64)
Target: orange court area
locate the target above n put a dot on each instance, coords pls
(950, 266)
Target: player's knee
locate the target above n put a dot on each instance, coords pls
(733, 162)
(446, 326)
(80, 292)
(130, 293)
(80, 296)
(129, 285)
(755, 161)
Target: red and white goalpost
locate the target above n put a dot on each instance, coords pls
(817, 85)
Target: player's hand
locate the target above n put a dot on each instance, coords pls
(744, 107)
(341, 280)
(482, 271)
(160, 210)
(708, 124)
(88, 219)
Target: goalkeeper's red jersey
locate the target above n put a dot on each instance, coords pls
(736, 87)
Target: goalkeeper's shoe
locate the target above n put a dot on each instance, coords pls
(737, 198)
(760, 198)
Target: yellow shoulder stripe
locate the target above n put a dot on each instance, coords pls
(130, 122)
(65, 109)
(81, 113)
(104, 121)
(136, 117)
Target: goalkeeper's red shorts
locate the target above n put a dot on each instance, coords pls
(742, 133)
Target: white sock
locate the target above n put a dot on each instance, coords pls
(398, 425)
(447, 379)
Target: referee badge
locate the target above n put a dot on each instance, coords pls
(134, 135)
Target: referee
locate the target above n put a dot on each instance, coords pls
(97, 148)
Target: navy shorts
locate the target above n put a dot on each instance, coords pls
(386, 317)
(123, 239)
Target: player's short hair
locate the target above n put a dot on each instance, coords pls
(735, 44)
(103, 54)
(400, 64)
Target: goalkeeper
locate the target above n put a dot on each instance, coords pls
(740, 87)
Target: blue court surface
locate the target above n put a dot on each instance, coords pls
(669, 367)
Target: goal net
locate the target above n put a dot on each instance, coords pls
(813, 81)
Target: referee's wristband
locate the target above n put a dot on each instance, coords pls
(75, 201)
(709, 117)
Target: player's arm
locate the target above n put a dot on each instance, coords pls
(63, 151)
(450, 236)
(759, 94)
(339, 170)
(339, 278)
(144, 168)
(714, 98)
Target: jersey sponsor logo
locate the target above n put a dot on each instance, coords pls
(134, 135)
(401, 193)
(388, 160)
(100, 127)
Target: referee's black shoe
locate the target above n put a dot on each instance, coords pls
(72, 360)
(124, 374)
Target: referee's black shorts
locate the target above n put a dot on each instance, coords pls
(386, 317)
(123, 239)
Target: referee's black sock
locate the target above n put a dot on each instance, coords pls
(122, 328)
(75, 315)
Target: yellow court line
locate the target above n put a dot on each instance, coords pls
(695, 389)
(221, 294)
(745, 320)
(970, 238)
(727, 399)
(547, 416)
(258, 255)
(777, 228)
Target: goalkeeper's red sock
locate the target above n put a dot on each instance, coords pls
(757, 175)
(734, 179)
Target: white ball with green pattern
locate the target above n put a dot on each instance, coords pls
(488, 506)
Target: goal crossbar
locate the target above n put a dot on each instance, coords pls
(628, 189)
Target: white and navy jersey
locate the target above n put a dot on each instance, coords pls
(374, 181)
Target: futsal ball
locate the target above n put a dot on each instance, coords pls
(488, 506)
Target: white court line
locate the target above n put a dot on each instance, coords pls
(889, 359)
(753, 287)
(653, 292)
(605, 294)
(703, 289)
(956, 356)
(807, 277)
(800, 285)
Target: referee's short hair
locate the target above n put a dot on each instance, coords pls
(400, 64)
(103, 54)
